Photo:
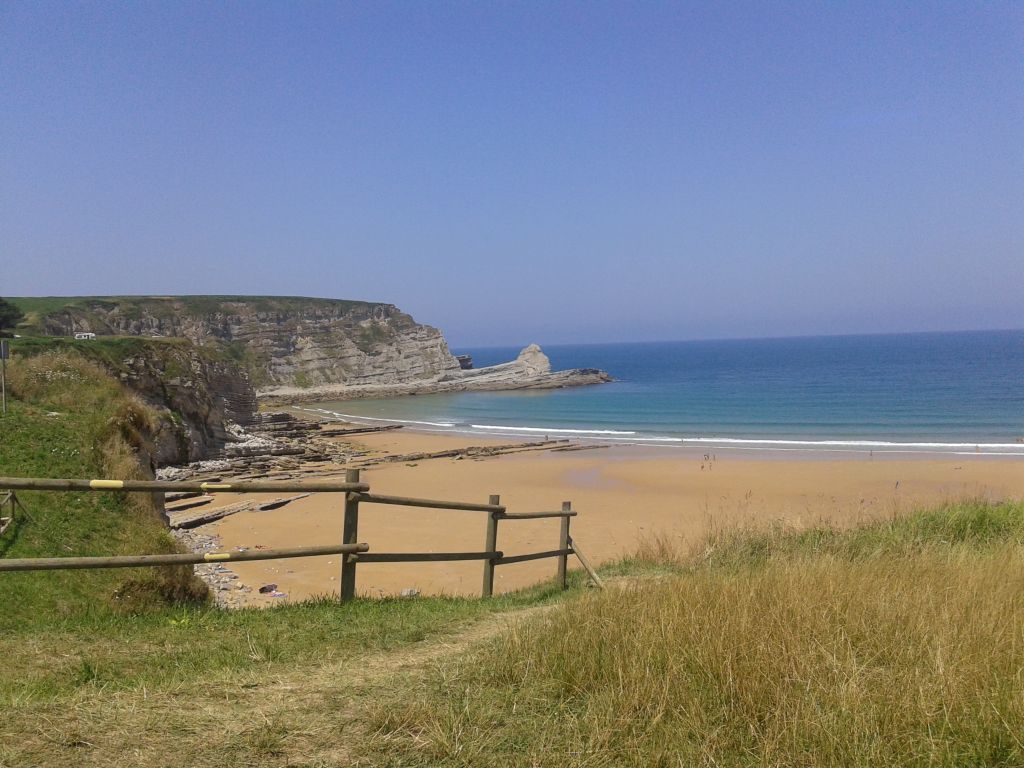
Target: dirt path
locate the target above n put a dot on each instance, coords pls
(265, 716)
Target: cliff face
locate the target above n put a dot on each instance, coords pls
(194, 392)
(296, 349)
(197, 395)
(283, 341)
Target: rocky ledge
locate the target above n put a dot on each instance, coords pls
(530, 370)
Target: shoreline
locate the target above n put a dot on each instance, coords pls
(759, 447)
(624, 495)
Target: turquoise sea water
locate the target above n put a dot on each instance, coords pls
(932, 392)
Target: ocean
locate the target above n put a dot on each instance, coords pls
(957, 393)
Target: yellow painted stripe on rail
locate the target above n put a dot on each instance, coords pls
(99, 485)
(217, 556)
(215, 486)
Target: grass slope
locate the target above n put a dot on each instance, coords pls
(69, 418)
(897, 644)
(99, 668)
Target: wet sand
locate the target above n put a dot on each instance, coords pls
(622, 494)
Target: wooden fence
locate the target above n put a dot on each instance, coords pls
(354, 552)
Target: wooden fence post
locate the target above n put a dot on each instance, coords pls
(350, 535)
(563, 543)
(594, 578)
(490, 545)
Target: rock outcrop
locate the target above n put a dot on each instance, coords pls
(530, 370)
(198, 396)
(195, 394)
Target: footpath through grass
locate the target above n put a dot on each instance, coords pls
(134, 666)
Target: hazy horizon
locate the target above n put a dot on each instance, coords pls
(522, 343)
(740, 338)
(569, 172)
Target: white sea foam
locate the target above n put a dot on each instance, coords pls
(353, 417)
(724, 443)
(771, 444)
(546, 430)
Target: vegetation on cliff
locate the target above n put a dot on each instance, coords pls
(10, 315)
(68, 417)
(135, 667)
(38, 308)
(192, 390)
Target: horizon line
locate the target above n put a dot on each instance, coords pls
(748, 338)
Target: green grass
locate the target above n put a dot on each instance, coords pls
(209, 687)
(81, 646)
(37, 307)
(166, 647)
(965, 524)
(69, 418)
(109, 350)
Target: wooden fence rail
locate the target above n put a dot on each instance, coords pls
(142, 561)
(405, 501)
(133, 486)
(353, 552)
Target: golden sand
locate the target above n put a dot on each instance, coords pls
(622, 494)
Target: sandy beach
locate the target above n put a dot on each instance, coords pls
(623, 494)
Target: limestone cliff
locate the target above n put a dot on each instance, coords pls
(283, 341)
(300, 348)
(199, 395)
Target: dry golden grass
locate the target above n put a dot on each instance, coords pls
(877, 647)
(896, 644)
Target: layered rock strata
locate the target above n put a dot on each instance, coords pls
(302, 349)
(196, 395)
(284, 341)
(530, 370)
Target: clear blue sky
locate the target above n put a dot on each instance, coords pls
(529, 171)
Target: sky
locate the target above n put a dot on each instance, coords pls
(511, 172)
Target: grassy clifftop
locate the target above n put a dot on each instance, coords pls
(37, 308)
(130, 667)
(111, 351)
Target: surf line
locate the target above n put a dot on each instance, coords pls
(552, 430)
(357, 418)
